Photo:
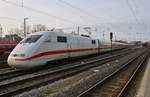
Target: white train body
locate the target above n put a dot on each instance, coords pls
(41, 47)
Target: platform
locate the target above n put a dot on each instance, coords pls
(144, 90)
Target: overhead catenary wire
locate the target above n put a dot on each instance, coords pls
(48, 14)
(83, 11)
(80, 10)
(144, 24)
(77, 8)
(10, 18)
(133, 12)
(86, 12)
(41, 12)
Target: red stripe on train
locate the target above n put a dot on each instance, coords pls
(54, 53)
(58, 52)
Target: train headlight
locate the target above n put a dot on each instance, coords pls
(22, 55)
(18, 55)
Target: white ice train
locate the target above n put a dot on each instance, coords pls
(41, 47)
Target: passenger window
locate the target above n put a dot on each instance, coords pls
(93, 41)
(61, 39)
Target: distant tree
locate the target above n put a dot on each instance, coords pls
(10, 32)
(28, 30)
(39, 27)
(18, 31)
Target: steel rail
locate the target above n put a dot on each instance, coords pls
(134, 73)
(7, 89)
(86, 92)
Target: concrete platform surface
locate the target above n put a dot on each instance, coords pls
(144, 90)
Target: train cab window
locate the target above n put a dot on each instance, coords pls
(31, 39)
(93, 41)
(61, 39)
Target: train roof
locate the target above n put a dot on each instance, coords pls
(60, 33)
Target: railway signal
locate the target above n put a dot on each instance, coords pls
(111, 37)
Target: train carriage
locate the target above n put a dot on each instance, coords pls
(41, 47)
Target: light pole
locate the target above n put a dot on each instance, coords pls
(25, 26)
(1, 31)
(78, 30)
(103, 35)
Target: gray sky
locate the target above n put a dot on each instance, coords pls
(129, 19)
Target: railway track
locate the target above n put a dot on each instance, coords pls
(20, 84)
(115, 84)
(3, 65)
(7, 73)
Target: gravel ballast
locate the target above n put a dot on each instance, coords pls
(73, 86)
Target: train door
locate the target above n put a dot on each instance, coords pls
(69, 46)
(73, 47)
(62, 46)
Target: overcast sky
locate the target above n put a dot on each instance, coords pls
(129, 19)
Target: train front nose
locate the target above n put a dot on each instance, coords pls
(11, 62)
(16, 64)
(23, 63)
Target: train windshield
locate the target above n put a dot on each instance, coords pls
(31, 39)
